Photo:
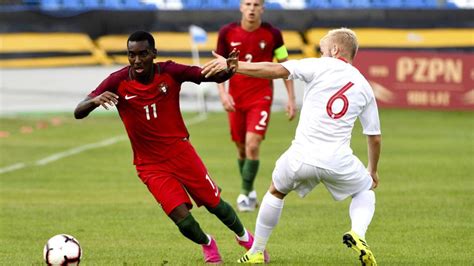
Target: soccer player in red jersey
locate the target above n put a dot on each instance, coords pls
(248, 101)
(146, 95)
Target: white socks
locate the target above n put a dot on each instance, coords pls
(268, 217)
(361, 211)
(245, 237)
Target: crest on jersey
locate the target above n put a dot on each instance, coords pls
(163, 88)
(262, 44)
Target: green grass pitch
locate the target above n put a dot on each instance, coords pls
(424, 213)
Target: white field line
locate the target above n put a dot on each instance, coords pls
(60, 155)
(12, 167)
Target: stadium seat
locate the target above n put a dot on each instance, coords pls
(91, 4)
(294, 44)
(50, 5)
(49, 50)
(174, 46)
(191, 4)
(386, 4)
(318, 4)
(72, 4)
(402, 38)
(113, 4)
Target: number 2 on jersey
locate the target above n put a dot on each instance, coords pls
(339, 95)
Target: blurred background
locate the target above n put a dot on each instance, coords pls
(415, 53)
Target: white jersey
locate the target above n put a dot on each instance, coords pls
(335, 94)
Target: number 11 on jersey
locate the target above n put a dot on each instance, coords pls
(147, 111)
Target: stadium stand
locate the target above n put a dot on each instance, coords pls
(453, 38)
(234, 4)
(174, 46)
(49, 49)
(294, 44)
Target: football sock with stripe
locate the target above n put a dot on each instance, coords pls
(268, 217)
(190, 228)
(361, 211)
(249, 172)
(227, 215)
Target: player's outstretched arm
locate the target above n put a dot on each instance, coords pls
(106, 99)
(267, 70)
(374, 144)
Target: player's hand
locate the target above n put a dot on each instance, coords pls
(228, 102)
(291, 109)
(233, 61)
(107, 99)
(375, 179)
(220, 63)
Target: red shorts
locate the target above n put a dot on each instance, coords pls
(171, 181)
(252, 119)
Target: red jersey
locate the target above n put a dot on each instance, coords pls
(151, 112)
(255, 46)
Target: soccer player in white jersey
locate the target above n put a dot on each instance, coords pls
(336, 94)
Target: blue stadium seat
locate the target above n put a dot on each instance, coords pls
(424, 4)
(113, 4)
(361, 4)
(340, 4)
(50, 4)
(318, 4)
(72, 4)
(191, 4)
(91, 4)
(387, 4)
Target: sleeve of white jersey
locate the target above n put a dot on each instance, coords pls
(303, 69)
(369, 118)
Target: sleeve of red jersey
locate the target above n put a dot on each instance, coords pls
(221, 42)
(279, 51)
(111, 83)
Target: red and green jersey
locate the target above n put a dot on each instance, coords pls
(261, 45)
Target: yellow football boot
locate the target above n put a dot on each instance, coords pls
(252, 258)
(358, 244)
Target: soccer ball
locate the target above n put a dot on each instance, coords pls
(62, 250)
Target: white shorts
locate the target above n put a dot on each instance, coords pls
(292, 174)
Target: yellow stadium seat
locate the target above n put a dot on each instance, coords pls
(176, 46)
(294, 44)
(49, 50)
(403, 38)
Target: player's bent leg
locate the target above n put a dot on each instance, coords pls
(360, 246)
(227, 215)
(188, 226)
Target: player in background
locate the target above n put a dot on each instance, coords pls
(335, 95)
(146, 95)
(249, 99)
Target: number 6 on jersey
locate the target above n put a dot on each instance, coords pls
(339, 95)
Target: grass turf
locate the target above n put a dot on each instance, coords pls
(423, 216)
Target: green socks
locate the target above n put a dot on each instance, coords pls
(227, 215)
(249, 172)
(191, 229)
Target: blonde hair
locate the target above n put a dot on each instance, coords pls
(346, 38)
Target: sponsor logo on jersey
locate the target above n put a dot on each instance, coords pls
(128, 97)
(233, 44)
(262, 44)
